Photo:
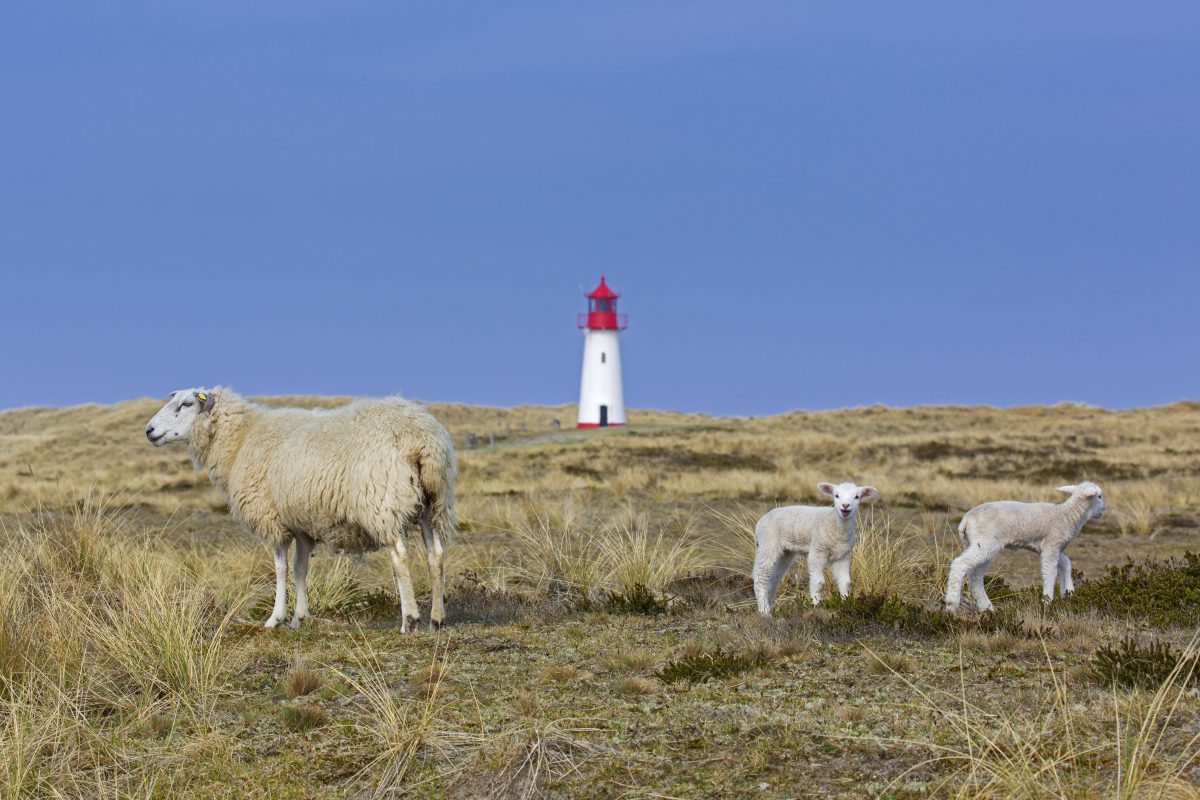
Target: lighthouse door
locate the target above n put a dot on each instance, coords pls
(603, 416)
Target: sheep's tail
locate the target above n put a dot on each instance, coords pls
(962, 530)
(438, 472)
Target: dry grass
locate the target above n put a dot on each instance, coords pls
(132, 663)
(1054, 752)
(302, 680)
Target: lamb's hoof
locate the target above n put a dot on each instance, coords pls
(295, 623)
(1069, 593)
(436, 624)
(410, 624)
(273, 622)
(987, 610)
(1047, 600)
(949, 609)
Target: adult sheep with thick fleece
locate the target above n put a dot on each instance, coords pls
(1044, 528)
(354, 478)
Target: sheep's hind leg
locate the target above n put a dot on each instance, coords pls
(281, 571)
(410, 613)
(437, 573)
(1066, 586)
(304, 547)
(973, 558)
(769, 569)
(978, 591)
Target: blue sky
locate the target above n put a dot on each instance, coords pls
(805, 205)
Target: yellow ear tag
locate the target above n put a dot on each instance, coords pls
(202, 397)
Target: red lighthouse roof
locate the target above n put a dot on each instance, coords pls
(602, 310)
(603, 291)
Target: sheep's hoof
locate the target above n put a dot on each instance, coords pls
(949, 609)
(273, 622)
(410, 624)
(987, 610)
(1047, 600)
(435, 624)
(295, 623)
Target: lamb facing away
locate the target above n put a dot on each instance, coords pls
(824, 535)
(1045, 528)
(354, 477)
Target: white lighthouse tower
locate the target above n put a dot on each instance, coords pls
(601, 401)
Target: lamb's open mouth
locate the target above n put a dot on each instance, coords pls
(846, 513)
(156, 439)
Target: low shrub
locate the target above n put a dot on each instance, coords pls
(1160, 593)
(1147, 666)
(638, 600)
(702, 664)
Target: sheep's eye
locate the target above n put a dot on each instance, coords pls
(185, 404)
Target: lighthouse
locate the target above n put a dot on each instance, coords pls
(601, 401)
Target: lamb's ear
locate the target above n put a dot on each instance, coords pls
(825, 488)
(1067, 489)
(1091, 491)
(868, 493)
(207, 400)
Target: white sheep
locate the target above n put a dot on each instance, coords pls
(354, 477)
(825, 535)
(1045, 528)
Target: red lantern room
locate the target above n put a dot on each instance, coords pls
(602, 310)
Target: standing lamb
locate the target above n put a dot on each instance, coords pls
(354, 477)
(1045, 528)
(825, 536)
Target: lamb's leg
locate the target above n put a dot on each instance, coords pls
(304, 547)
(1049, 572)
(816, 575)
(281, 571)
(437, 575)
(1065, 583)
(978, 591)
(770, 566)
(841, 575)
(971, 559)
(410, 613)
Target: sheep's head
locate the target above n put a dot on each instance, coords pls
(847, 496)
(173, 423)
(1092, 492)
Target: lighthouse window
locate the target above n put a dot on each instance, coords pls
(604, 358)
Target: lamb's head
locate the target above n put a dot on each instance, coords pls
(1091, 492)
(173, 423)
(847, 496)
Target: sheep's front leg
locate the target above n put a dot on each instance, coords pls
(304, 547)
(281, 573)
(410, 614)
(770, 565)
(1066, 585)
(1049, 573)
(816, 575)
(841, 575)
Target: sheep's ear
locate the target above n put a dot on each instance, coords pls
(207, 400)
(1067, 489)
(868, 492)
(825, 488)
(1091, 491)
